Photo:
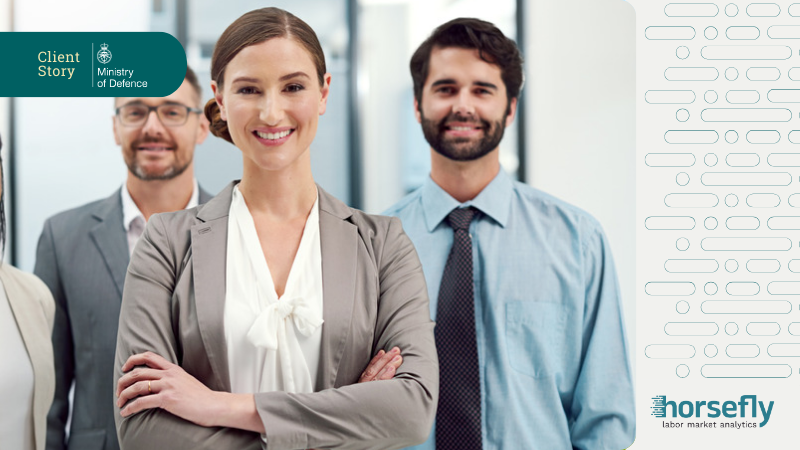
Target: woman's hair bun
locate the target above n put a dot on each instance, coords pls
(218, 127)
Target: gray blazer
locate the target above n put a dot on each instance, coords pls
(82, 257)
(33, 310)
(374, 297)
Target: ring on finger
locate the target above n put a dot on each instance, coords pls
(149, 391)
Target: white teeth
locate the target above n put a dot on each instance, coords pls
(461, 128)
(273, 135)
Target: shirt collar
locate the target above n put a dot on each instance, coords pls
(131, 212)
(494, 201)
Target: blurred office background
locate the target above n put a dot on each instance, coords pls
(574, 137)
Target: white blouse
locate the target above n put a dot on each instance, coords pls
(273, 343)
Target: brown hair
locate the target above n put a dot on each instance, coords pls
(252, 28)
(492, 45)
(192, 79)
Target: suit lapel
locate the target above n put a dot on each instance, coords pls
(339, 247)
(110, 238)
(209, 256)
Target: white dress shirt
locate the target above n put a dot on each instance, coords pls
(273, 343)
(133, 219)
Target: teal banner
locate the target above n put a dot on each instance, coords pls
(96, 64)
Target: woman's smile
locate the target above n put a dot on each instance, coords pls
(273, 136)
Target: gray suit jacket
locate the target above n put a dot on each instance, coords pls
(82, 257)
(374, 297)
(33, 309)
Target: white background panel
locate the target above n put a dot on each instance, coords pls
(733, 325)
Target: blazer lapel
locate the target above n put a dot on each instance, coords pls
(339, 246)
(209, 255)
(110, 238)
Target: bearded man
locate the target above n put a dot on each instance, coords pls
(522, 286)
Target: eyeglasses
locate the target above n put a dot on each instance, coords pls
(170, 114)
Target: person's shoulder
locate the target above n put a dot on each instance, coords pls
(178, 220)
(371, 224)
(169, 234)
(29, 282)
(383, 236)
(377, 229)
(74, 224)
(550, 207)
(173, 229)
(405, 205)
(84, 212)
(213, 209)
(18, 275)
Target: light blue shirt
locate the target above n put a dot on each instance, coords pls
(552, 352)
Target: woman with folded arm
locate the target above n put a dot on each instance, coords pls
(247, 322)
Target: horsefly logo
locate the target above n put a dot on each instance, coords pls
(659, 408)
(748, 406)
(104, 56)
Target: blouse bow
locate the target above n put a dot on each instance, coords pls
(270, 325)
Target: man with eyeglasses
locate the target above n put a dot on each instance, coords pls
(83, 256)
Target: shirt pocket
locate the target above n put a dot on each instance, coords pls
(535, 337)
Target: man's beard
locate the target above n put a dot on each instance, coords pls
(457, 148)
(169, 173)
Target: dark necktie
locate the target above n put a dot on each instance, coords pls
(458, 419)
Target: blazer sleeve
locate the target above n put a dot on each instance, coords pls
(386, 414)
(146, 323)
(46, 268)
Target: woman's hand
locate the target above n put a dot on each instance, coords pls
(383, 366)
(161, 384)
(151, 381)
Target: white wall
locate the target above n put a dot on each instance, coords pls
(580, 64)
(383, 95)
